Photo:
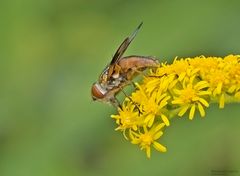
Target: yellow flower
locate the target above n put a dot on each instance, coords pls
(171, 90)
(217, 79)
(128, 117)
(203, 64)
(191, 96)
(183, 70)
(148, 137)
(151, 106)
(233, 68)
(159, 84)
(154, 107)
(223, 76)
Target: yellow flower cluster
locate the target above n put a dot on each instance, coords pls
(183, 87)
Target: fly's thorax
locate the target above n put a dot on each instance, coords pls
(118, 82)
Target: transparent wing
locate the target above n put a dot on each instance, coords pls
(123, 47)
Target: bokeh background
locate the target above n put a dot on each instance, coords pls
(51, 51)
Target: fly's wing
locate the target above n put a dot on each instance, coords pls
(123, 47)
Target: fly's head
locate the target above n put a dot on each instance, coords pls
(98, 92)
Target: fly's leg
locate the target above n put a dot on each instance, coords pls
(114, 101)
(134, 71)
(140, 72)
(136, 105)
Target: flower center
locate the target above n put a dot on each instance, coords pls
(188, 94)
(146, 139)
(128, 119)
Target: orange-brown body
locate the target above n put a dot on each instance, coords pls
(137, 62)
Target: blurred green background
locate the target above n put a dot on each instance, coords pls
(51, 51)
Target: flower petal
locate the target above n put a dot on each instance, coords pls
(192, 111)
(183, 110)
(159, 147)
(204, 102)
(201, 110)
(148, 152)
(157, 135)
(165, 120)
(221, 101)
(159, 127)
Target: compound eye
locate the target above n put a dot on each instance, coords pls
(97, 92)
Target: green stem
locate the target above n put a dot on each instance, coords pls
(174, 113)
